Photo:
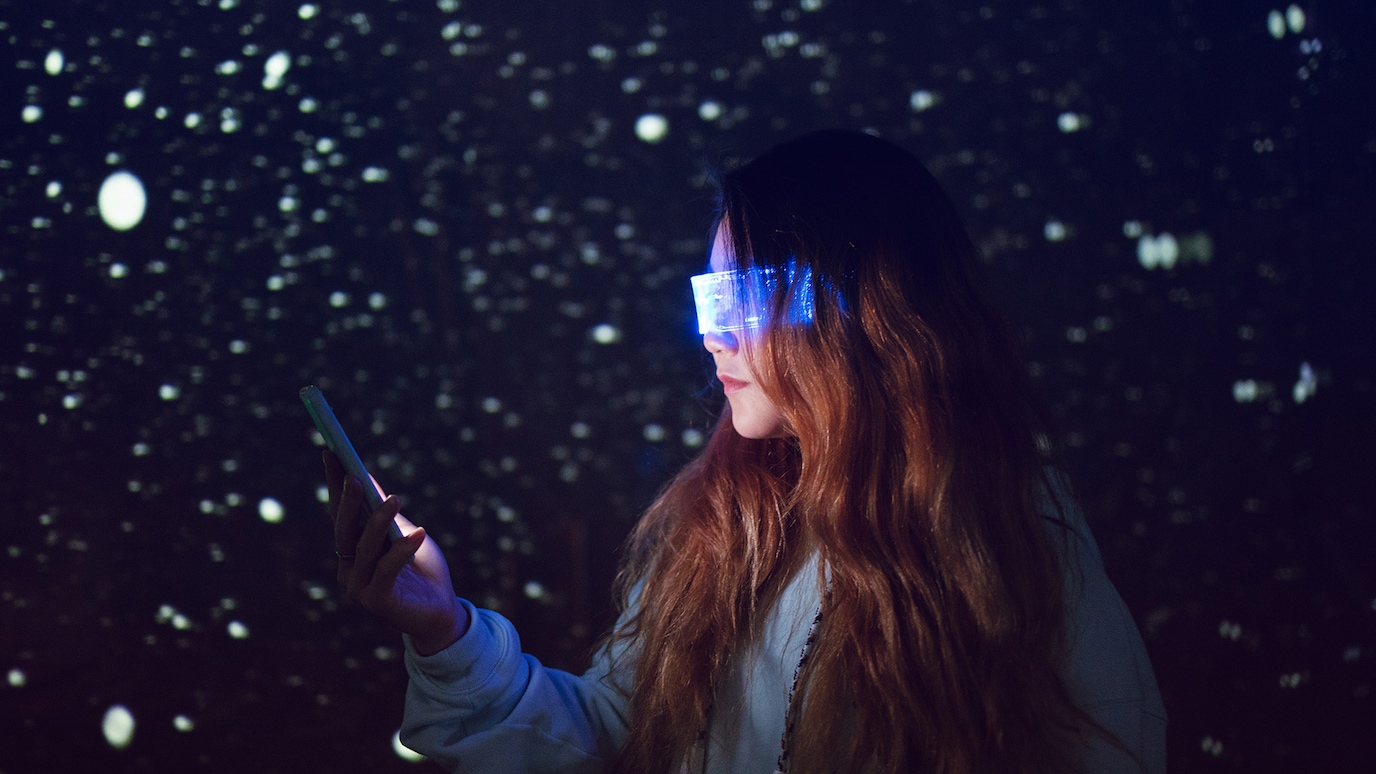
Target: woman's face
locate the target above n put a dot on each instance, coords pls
(752, 414)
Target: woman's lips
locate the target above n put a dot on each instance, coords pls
(730, 384)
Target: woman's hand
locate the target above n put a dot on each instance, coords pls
(405, 584)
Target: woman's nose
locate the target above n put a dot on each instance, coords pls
(720, 342)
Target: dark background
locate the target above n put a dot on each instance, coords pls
(511, 224)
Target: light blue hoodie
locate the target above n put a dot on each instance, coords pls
(481, 705)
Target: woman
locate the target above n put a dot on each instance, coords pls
(869, 567)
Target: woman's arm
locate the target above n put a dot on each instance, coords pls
(475, 702)
(483, 705)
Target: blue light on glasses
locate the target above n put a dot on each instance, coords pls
(739, 300)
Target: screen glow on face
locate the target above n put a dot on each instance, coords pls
(739, 300)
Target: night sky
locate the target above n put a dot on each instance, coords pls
(472, 224)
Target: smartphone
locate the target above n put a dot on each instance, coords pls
(338, 443)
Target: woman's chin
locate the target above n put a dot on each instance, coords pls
(756, 430)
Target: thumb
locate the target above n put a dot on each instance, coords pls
(398, 556)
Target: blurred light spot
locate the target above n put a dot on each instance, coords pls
(238, 346)
(229, 120)
(601, 53)
(71, 401)
(606, 334)
(1275, 24)
(1162, 251)
(709, 111)
(322, 494)
(921, 100)
(17, 678)
(651, 127)
(693, 438)
(1132, 229)
(1069, 122)
(182, 723)
(54, 190)
(53, 63)
(192, 120)
(539, 99)
(133, 98)
(1307, 385)
(141, 449)
(118, 726)
(1245, 390)
(237, 630)
(1054, 231)
(580, 430)
(534, 590)
(308, 10)
(1211, 746)
(1198, 247)
(169, 392)
(122, 201)
(228, 67)
(118, 270)
(307, 105)
(377, 301)
(31, 113)
(653, 433)
(275, 68)
(374, 175)
(451, 30)
(339, 299)
(1294, 19)
(270, 510)
(403, 752)
(491, 405)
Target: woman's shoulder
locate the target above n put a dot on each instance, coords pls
(1107, 667)
(1058, 508)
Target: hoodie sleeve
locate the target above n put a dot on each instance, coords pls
(482, 705)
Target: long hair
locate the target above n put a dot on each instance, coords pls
(911, 467)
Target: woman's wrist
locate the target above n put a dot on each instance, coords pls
(430, 643)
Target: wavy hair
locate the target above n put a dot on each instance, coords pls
(912, 467)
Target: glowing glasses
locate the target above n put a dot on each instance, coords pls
(740, 300)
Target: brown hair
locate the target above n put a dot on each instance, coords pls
(912, 467)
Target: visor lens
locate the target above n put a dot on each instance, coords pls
(740, 300)
(725, 301)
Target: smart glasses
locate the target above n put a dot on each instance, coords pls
(740, 300)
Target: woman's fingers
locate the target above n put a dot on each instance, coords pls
(348, 517)
(372, 544)
(395, 560)
(334, 480)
